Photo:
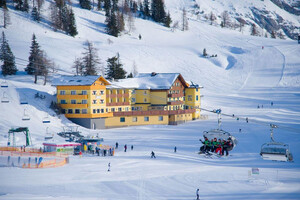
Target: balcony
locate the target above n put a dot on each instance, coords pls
(175, 102)
(78, 105)
(175, 95)
(68, 96)
(154, 112)
(98, 115)
(126, 95)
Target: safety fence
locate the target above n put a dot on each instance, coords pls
(47, 164)
(14, 151)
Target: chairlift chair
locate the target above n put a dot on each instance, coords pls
(275, 151)
(46, 119)
(48, 136)
(4, 84)
(23, 101)
(4, 98)
(25, 117)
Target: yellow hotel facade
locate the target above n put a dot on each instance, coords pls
(149, 98)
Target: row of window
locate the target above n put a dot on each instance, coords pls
(84, 101)
(83, 92)
(119, 92)
(175, 92)
(146, 119)
(76, 111)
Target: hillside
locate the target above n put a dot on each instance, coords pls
(241, 77)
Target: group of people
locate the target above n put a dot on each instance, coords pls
(125, 146)
(217, 146)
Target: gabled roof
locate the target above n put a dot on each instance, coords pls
(66, 80)
(153, 81)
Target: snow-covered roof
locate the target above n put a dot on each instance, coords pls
(143, 81)
(74, 80)
(64, 144)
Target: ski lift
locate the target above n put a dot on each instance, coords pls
(219, 133)
(275, 150)
(48, 136)
(4, 84)
(4, 98)
(23, 101)
(25, 117)
(46, 119)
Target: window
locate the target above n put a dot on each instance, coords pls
(119, 109)
(73, 101)
(196, 89)
(145, 92)
(134, 119)
(101, 101)
(177, 92)
(62, 92)
(106, 109)
(84, 92)
(118, 91)
(177, 84)
(94, 110)
(196, 97)
(111, 100)
(73, 92)
(101, 92)
(77, 111)
(84, 111)
(145, 100)
(113, 110)
(122, 119)
(70, 111)
(94, 101)
(63, 111)
(132, 108)
(133, 100)
(126, 109)
(160, 118)
(63, 101)
(98, 110)
(146, 119)
(102, 110)
(190, 98)
(183, 98)
(133, 92)
(124, 99)
(84, 101)
(124, 91)
(94, 92)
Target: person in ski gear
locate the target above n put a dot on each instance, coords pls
(108, 167)
(125, 147)
(175, 149)
(214, 145)
(272, 103)
(117, 145)
(153, 155)
(197, 194)
(219, 147)
(131, 147)
(205, 146)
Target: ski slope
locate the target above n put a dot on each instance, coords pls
(241, 77)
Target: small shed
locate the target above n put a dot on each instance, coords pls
(67, 147)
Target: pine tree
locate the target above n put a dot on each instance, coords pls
(9, 66)
(168, 20)
(90, 60)
(78, 66)
(111, 26)
(115, 6)
(120, 22)
(146, 9)
(85, 4)
(204, 52)
(114, 68)
(6, 17)
(19, 4)
(3, 4)
(158, 10)
(25, 7)
(35, 14)
(72, 24)
(107, 7)
(36, 65)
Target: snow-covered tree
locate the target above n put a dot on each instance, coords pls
(158, 10)
(225, 19)
(254, 30)
(6, 17)
(9, 66)
(168, 20)
(35, 14)
(212, 18)
(85, 4)
(184, 21)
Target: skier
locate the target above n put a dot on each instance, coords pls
(262, 47)
(153, 155)
(131, 147)
(140, 37)
(247, 119)
(197, 194)
(240, 130)
(175, 149)
(271, 103)
(125, 147)
(117, 145)
(205, 147)
(108, 167)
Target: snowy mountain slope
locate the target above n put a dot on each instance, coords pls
(241, 77)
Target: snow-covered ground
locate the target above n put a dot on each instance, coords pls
(241, 77)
